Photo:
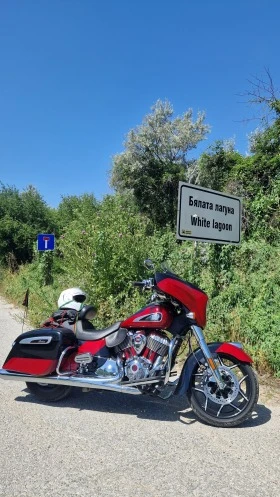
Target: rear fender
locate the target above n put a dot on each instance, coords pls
(197, 356)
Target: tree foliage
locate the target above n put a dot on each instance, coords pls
(258, 182)
(265, 163)
(156, 158)
(23, 215)
(75, 207)
(216, 164)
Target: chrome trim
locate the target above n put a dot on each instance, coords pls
(157, 366)
(169, 359)
(61, 359)
(149, 318)
(190, 315)
(237, 344)
(139, 341)
(110, 369)
(85, 358)
(142, 367)
(144, 381)
(36, 340)
(231, 394)
(197, 331)
(74, 381)
(158, 344)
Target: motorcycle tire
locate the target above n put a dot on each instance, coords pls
(49, 393)
(233, 405)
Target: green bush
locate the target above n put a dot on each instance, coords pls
(246, 307)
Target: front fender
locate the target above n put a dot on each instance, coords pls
(197, 356)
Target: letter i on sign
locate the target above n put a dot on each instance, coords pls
(46, 239)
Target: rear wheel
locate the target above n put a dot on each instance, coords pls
(230, 406)
(48, 392)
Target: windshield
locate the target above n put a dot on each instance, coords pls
(162, 267)
(165, 268)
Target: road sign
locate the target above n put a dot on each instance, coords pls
(45, 241)
(207, 215)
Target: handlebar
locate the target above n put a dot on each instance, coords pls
(144, 284)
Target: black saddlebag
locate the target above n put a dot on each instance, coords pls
(37, 352)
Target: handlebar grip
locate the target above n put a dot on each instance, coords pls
(138, 283)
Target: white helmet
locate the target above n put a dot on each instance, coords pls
(72, 298)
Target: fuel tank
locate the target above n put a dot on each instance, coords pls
(151, 316)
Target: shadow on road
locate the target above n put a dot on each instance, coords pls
(260, 416)
(144, 407)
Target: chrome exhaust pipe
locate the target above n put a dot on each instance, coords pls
(72, 381)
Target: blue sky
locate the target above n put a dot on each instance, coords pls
(77, 75)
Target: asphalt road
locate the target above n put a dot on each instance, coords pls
(106, 444)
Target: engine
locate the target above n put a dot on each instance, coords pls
(143, 355)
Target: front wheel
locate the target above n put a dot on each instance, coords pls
(48, 392)
(230, 406)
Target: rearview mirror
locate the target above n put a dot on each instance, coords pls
(148, 263)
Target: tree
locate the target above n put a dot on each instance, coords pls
(258, 172)
(156, 159)
(76, 207)
(258, 177)
(23, 215)
(263, 92)
(216, 164)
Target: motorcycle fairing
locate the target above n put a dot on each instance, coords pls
(194, 299)
(197, 356)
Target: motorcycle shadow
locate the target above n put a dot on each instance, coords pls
(176, 408)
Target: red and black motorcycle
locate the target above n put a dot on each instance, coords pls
(137, 356)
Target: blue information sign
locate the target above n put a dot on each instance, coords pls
(45, 242)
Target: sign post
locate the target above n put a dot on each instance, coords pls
(207, 215)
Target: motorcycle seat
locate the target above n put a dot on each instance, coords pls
(84, 334)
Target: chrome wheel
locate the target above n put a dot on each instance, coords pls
(231, 405)
(212, 392)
